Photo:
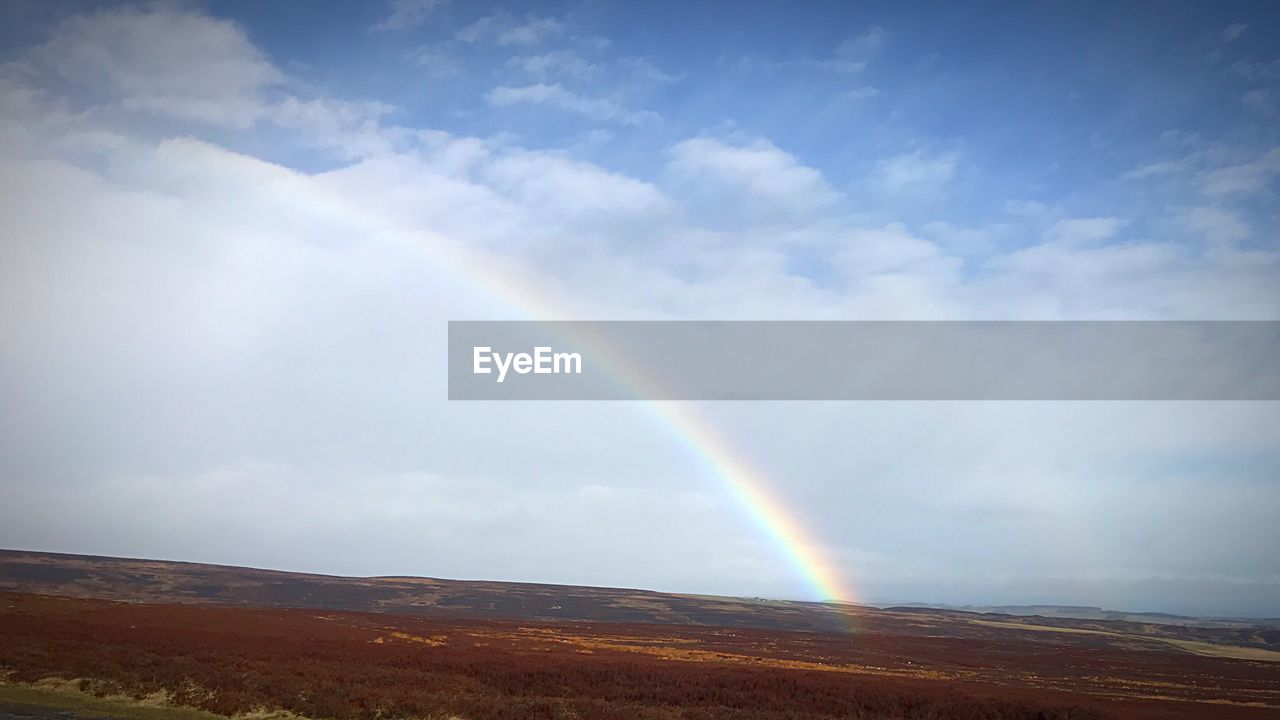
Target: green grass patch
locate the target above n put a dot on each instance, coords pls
(87, 705)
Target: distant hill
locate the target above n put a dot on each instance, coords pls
(108, 578)
(1088, 612)
(433, 647)
(161, 581)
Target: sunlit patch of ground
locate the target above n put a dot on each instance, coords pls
(1238, 652)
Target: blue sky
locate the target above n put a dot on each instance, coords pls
(1043, 101)
(234, 232)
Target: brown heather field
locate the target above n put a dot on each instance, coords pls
(227, 641)
(366, 665)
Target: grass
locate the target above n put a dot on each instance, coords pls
(66, 696)
(1228, 651)
(1237, 652)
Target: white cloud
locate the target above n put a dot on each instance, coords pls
(1156, 169)
(555, 95)
(1220, 171)
(560, 188)
(757, 167)
(1218, 225)
(1081, 232)
(917, 169)
(187, 67)
(833, 64)
(870, 41)
(1260, 100)
(550, 65)
(863, 93)
(165, 62)
(849, 58)
(966, 241)
(478, 29)
(351, 129)
(873, 252)
(640, 69)
(505, 30)
(439, 62)
(407, 14)
(1258, 71)
(1247, 178)
(530, 32)
(1233, 31)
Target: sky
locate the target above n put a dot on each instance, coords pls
(233, 234)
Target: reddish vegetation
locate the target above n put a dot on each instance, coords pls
(367, 665)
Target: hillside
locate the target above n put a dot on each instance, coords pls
(227, 639)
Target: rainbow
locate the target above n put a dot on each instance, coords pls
(750, 490)
(748, 487)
